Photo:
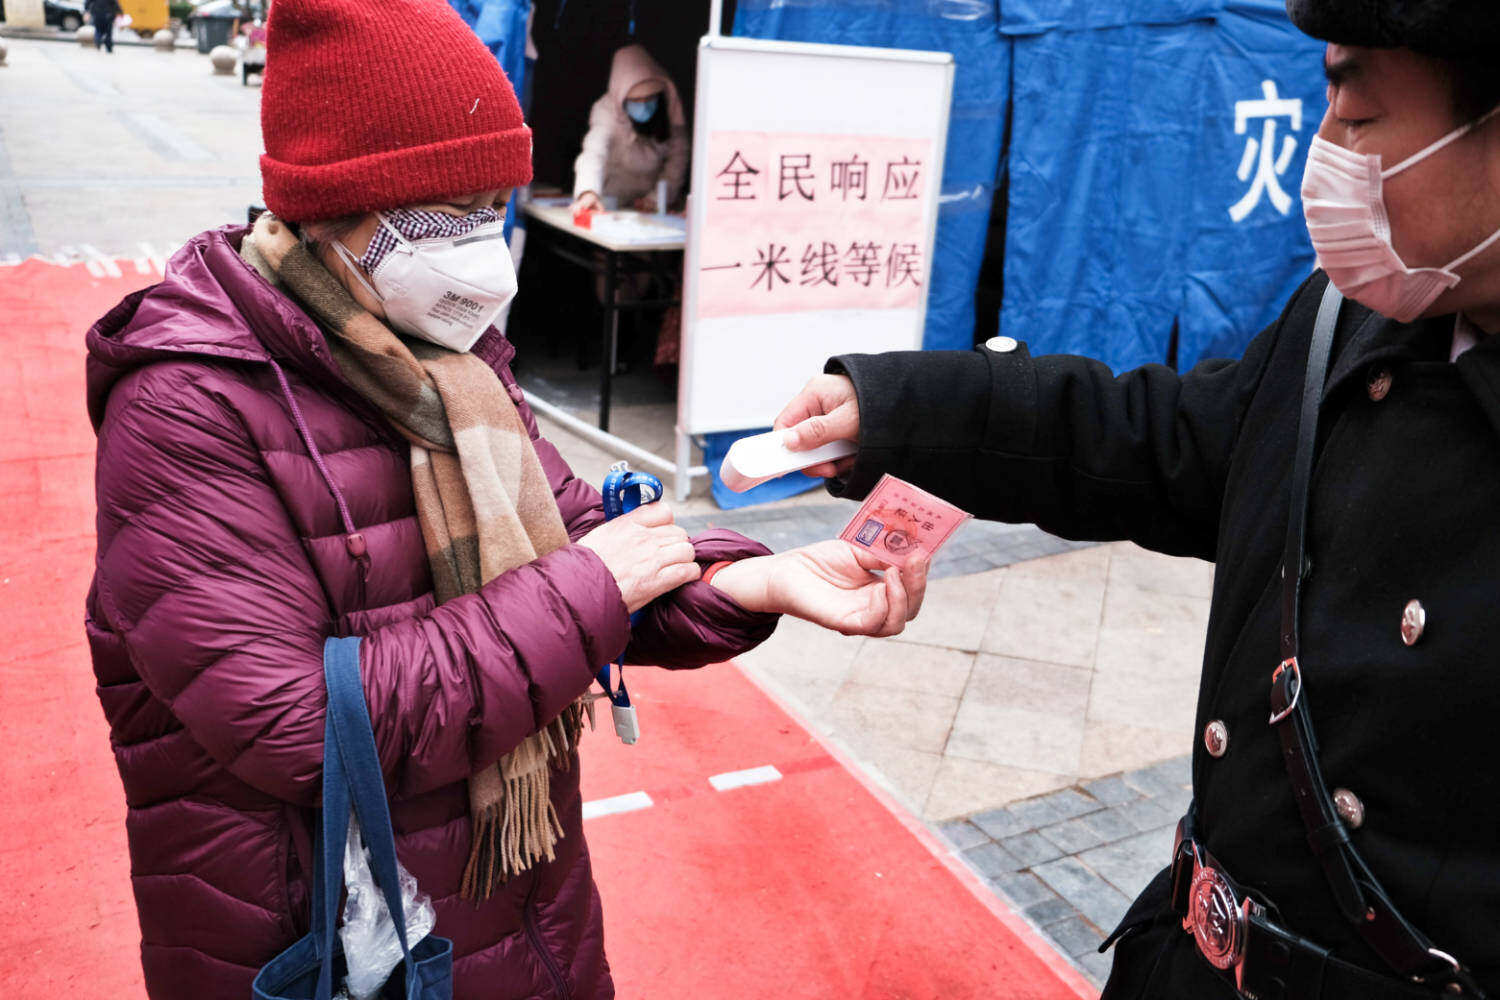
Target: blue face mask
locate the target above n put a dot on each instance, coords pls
(642, 112)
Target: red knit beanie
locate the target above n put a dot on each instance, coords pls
(374, 104)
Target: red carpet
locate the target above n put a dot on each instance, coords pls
(805, 886)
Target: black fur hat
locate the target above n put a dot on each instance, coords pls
(1446, 28)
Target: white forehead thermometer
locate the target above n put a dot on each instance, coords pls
(763, 457)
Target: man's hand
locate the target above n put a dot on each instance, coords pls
(825, 410)
(645, 203)
(646, 553)
(588, 201)
(830, 583)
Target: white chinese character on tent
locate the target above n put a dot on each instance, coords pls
(1261, 154)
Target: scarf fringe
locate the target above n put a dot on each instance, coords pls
(522, 828)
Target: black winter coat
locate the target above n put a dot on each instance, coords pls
(1405, 504)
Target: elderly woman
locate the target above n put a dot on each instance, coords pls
(310, 429)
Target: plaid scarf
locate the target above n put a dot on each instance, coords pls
(484, 504)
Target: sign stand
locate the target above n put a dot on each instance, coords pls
(816, 179)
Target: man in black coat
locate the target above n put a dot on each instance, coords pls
(1380, 876)
(103, 14)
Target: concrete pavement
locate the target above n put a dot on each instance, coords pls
(108, 152)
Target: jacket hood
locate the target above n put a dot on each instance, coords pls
(633, 65)
(211, 304)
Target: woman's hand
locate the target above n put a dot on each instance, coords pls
(825, 410)
(588, 202)
(646, 553)
(830, 583)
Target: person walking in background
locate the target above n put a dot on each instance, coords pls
(103, 14)
(310, 428)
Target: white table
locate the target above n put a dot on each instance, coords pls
(624, 242)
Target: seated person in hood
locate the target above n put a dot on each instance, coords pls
(637, 136)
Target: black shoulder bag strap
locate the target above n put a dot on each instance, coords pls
(1358, 893)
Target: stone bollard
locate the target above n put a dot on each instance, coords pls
(86, 35)
(164, 40)
(225, 59)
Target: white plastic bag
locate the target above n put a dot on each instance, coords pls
(371, 948)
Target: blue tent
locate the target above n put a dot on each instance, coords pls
(981, 86)
(1247, 249)
(501, 26)
(1155, 162)
(1135, 127)
(1152, 170)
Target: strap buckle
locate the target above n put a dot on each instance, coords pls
(1217, 917)
(1281, 680)
(1455, 968)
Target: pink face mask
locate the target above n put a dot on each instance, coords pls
(1343, 202)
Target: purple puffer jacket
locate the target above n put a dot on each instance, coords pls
(237, 472)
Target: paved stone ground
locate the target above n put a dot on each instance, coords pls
(106, 152)
(1013, 682)
(1039, 671)
(1071, 861)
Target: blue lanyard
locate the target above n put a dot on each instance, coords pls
(624, 491)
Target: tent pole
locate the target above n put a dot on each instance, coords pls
(715, 18)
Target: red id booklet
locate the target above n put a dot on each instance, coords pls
(899, 523)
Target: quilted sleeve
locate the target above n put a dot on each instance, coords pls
(693, 625)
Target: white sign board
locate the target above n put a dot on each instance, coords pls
(25, 14)
(816, 176)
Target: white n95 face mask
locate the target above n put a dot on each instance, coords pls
(443, 289)
(1343, 202)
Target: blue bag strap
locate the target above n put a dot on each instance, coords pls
(328, 877)
(358, 765)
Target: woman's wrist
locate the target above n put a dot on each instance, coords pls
(745, 582)
(712, 571)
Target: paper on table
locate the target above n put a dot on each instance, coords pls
(636, 227)
(899, 523)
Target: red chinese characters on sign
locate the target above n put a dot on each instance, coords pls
(798, 223)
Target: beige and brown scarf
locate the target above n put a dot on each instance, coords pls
(484, 505)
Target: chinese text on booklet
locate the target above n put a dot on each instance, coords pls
(899, 523)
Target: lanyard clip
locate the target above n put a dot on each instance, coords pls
(623, 492)
(627, 724)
